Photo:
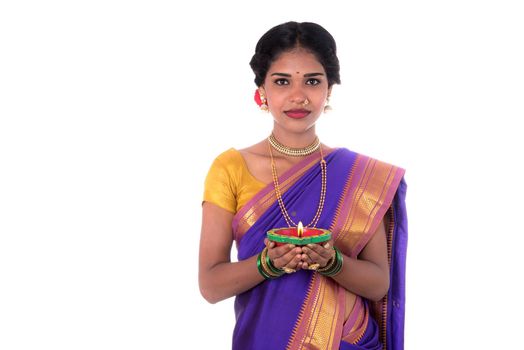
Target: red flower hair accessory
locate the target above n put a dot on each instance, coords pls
(258, 100)
(261, 100)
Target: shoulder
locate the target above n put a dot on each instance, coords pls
(229, 161)
(227, 157)
(228, 165)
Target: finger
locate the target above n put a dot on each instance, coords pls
(305, 261)
(305, 258)
(316, 257)
(325, 251)
(290, 259)
(277, 252)
(295, 263)
(269, 244)
(304, 265)
(313, 256)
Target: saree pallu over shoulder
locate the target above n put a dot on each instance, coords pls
(375, 191)
(306, 310)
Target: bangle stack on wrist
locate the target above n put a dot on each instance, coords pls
(266, 267)
(334, 265)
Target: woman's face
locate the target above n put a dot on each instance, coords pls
(296, 89)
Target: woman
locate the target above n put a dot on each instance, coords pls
(347, 293)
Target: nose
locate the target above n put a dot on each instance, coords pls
(298, 95)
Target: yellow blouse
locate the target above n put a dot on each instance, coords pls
(229, 184)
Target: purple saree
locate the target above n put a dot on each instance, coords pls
(306, 310)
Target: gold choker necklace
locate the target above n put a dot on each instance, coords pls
(293, 152)
(289, 221)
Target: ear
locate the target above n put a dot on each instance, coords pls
(329, 91)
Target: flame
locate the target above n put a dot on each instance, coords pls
(300, 229)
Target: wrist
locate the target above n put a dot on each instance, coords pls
(334, 265)
(266, 267)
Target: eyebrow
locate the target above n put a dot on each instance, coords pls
(308, 75)
(312, 75)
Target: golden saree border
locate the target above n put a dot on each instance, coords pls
(321, 327)
(369, 194)
(326, 322)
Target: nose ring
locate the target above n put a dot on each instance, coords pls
(306, 102)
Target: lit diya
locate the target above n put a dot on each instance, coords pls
(299, 235)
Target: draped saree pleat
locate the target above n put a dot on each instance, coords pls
(306, 310)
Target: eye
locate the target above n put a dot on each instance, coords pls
(282, 81)
(313, 81)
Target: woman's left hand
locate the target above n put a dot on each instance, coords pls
(316, 256)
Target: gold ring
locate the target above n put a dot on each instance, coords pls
(313, 267)
(289, 270)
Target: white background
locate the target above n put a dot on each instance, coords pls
(112, 112)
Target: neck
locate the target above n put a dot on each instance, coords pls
(295, 140)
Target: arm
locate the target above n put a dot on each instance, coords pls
(368, 275)
(218, 277)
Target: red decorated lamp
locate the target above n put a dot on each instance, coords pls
(299, 235)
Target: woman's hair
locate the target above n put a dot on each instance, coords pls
(291, 35)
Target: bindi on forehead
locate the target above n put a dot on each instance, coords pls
(298, 72)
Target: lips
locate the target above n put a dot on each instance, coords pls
(297, 113)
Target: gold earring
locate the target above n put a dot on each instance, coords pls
(327, 107)
(263, 106)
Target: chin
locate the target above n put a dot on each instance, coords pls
(297, 128)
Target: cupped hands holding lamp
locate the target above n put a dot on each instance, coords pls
(321, 232)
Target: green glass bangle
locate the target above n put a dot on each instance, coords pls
(340, 262)
(336, 271)
(337, 266)
(331, 263)
(265, 268)
(259, 266)
(264, 259)
(272, 267)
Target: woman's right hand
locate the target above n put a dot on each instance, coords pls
(287, 257)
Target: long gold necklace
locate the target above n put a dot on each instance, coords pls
(293, 152)
(289, 221)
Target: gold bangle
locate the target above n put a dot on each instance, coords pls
(330, 263)
(334, 268)
(266, 268)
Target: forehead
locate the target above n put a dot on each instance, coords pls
(296, 61)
